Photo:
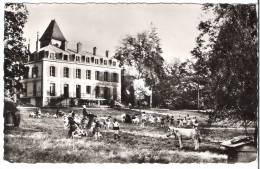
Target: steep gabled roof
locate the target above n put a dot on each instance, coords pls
(53, 32)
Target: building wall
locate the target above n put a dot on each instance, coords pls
(29, 95)
(72, 81)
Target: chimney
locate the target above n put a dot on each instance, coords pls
(37, 46)
(79, 47)
(107, 52)
(94, 50)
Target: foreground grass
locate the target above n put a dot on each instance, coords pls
(44, 140)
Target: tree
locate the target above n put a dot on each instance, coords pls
(226, 54)
(178, 88)
(142, 53)
(15, 16)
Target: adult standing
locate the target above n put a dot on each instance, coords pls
(84, 115)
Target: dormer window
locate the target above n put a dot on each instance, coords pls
(31, 57)
(82, 58)
(105, 62)
(65, 57)
(87, 59)
(58, 56)
(72, 58)
(114, 63)
(77, 58)
(52, 56)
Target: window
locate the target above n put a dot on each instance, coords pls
(34, 89)
(105, 62)
(92, 59)
(88, 89)
(110, 62)
(46, 54)
(97, 75)
(66, 72)
(52, 71)
(115, 77)
(114, 93)
(41, 55)
(58, 56)
(31, 58)
(72, 58)
(87, 59)
(97, 91)
(78, 73)
(101, 61)
(65, 57)
(26, 74)
(88, 74)
(114, 63)
(106, 93)
(52, 56)
(78, 91)
(52, 89)
(34, 72)
(106, 76)
(77, 58)
(82, 58)
(66, 90)
(96, 61)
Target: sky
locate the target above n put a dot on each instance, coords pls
(104, 25)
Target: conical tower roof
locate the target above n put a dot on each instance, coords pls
(53, 32)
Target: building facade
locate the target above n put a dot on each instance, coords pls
(61, 76)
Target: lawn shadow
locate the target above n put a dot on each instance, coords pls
(22, 131)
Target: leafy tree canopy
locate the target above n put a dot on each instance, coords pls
(226, 54)
(15, 16)
(142, 52)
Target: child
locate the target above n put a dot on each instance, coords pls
(184, 122)
(96, 130)
(72, 124)
(38, 113)
(172, 121)
(116, 129)
(195, 123)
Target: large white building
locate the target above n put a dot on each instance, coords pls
(61, 76)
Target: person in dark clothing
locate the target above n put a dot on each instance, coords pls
(128, 119)
(11, 113)
(85, 114)
(172, 120)
(72, 124)
(97, 127)
(91, 118)
(116, 129)
(84, 111)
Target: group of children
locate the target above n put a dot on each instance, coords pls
(91, 118)
(186, 122)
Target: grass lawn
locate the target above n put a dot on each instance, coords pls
(44, 140)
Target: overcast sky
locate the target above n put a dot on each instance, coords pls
(104, 25)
